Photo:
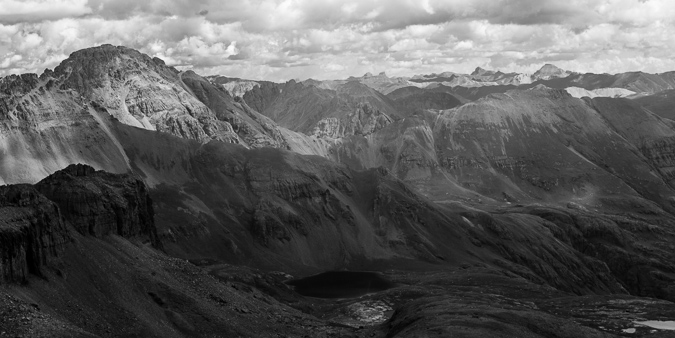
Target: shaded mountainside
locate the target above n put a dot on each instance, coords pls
(105, 280)
(307, 213)
(273, 208)
(278, 209)
(515, 248)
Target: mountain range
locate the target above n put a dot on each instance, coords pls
(140, 200)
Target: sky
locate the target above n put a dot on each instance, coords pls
(279, 40)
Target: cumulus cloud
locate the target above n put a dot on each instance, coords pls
(283, 39)
(13, 11)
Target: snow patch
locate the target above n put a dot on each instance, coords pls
(658, 324)
(600, 92)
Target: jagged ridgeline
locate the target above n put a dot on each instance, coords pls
(511, 182)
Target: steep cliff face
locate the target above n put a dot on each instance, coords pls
(97, 203)
(31, 232)
(35, 220)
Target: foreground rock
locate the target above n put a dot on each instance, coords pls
(98, 203)
(36, 221)
(32, 232)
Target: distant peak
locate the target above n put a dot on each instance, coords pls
(478, 71)
(549, 69)
(382, 74)
(369, 74)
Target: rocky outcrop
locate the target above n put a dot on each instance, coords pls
(97, 203)
(31, 232)
(35, 220)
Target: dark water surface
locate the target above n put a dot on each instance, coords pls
(341, 284)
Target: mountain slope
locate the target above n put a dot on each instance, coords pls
(352, 108)
(661, 103)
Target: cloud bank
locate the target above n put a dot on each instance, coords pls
(284, 39)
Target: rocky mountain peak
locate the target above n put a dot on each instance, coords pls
(549, 68)
(479, 71)
(92, 65)
(549, 71)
